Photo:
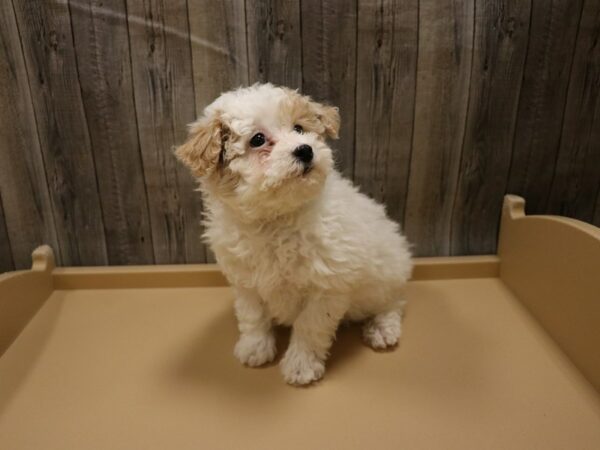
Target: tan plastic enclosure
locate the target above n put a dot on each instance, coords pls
(497, 352)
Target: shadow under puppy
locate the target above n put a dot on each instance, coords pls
(298, 243)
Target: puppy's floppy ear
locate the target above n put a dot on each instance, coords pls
(329, 117)
(203, 147)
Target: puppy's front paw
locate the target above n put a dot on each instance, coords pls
(301, 367)
(383, 330)
(255, 349)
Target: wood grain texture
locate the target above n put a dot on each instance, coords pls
(274, 42)
(445, 107)
(576, 182)
(6, 259)
(385, 95)
(443, 77)
(541, 106)
(219, 48)
(329, 36)
(46, 36)
(164, 98)
(501, 35)
(27, 210)
(102, 50)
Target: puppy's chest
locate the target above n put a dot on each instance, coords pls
(270, 258)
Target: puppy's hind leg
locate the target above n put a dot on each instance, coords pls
(256, 345)
(384, 329)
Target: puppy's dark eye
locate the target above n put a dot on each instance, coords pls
(257, 140)
(298, 129)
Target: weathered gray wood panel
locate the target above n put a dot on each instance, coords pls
(6, 259)
(164, 98)
(104, 66)
(445, 107)
(443, 77)
(274, 42)
(541, 106)
(219, 48)
(329, 36)
(46, 37)
(501, 35)
(576, 181)
(27, 211)
(385, 95)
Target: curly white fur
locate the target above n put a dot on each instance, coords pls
(302, 248)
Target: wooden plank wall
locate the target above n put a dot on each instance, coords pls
(446, 106)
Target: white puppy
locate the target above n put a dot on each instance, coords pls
(299, 244)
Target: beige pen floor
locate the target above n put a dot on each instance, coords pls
(153, 369)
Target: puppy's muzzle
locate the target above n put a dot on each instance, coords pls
(304, 154)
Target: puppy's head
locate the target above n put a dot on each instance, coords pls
(262, 149)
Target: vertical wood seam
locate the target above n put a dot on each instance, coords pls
(58, 250)
(301, 45)
(536, 97)
(113, 181)
(87, 129)
(412, 131)
(116, 211)
(356, 34)
(3, 218)
(247, 50)
(137, 129)
(596, 210)
(187, 13)
(564, 108)
(462, 146)
(518, 107)
(353, 143)
(196, 112)
(355, 87)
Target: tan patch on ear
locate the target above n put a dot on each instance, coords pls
(330, 118)
(202, 149)
(313, 116)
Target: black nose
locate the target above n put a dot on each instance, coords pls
(304, 153)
